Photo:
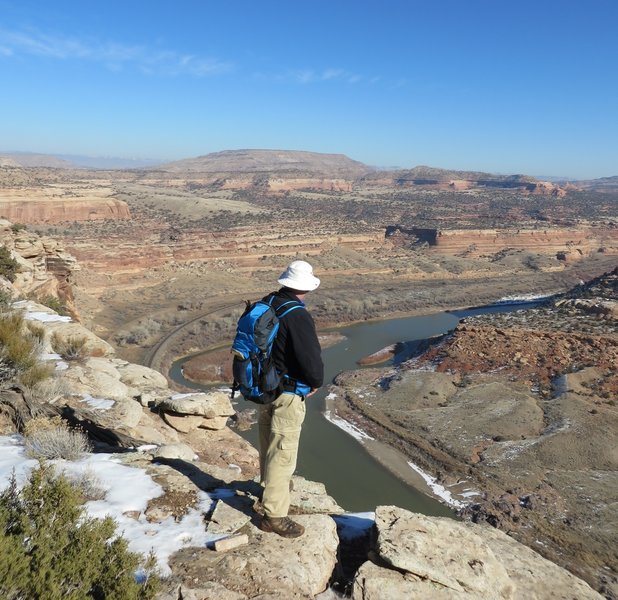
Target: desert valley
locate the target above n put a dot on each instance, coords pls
(157, 263)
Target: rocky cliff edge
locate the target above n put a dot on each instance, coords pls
(183, 443)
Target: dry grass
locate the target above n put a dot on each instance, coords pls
(52, 438)
(70, 348)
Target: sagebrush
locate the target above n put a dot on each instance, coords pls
(70, 348)
(52, 438)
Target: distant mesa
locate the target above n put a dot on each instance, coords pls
(27, 159)
(259, 161)
(603, 184)
(288, 170)
(71, 161)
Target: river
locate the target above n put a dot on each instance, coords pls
(328, 454)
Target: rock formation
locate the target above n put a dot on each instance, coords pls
(566, 244)
(129, 406)
(431, 557)
(45, 267)
(515, 413)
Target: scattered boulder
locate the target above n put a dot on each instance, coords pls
(141, 377)
(182, 423)
(216, 423)
(230, 514)
(209, 405)
(432, 557)
(178, 451)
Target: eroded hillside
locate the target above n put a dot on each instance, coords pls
(520, 407)
(186, 238)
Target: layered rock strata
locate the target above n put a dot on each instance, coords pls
(45, 267)
(52, 202)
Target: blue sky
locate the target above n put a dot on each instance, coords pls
(503, 86)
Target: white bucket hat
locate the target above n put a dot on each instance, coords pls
(299, 276)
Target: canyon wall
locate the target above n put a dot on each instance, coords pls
(581, 241)
(45, 267)
(245, 249)
(59, 210)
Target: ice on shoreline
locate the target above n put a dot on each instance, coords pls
(351, 429)
(436, 488)
(523, 298)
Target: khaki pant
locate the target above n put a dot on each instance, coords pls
(280, 423)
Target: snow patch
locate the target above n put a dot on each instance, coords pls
(436, 488)
(44, 317)
(98, 403)
(127, 489)
(348, 427)
(522, 299)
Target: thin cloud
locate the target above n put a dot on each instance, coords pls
(113, 55)
(307, 76)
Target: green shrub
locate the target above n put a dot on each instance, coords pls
(55, 304)
(18, 352)
(49, 550)
(34, 375)
(17, 227)
(9, 267)
(5, 299)
(70, 348)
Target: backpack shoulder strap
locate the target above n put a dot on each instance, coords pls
(285, 307)
(289, 308)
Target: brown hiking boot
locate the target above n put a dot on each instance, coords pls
(284, 526)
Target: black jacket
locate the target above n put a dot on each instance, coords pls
(296, 350)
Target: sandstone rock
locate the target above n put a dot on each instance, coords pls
(230, 514)
(126, 413)
(215, 423)
(441, 558)
(311, 497)
(123, 414)
(151, 434)
(231, 542)
(270, 566)
(210, 405)
(94, 345)
(29, 246)
(182, 423)
(142, 377)
(98, 384)
(102, 365)
(175, 451)
(222, 474)
(210, 590)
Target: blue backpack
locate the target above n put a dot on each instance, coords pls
(255, 375)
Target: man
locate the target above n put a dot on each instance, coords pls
(297, 356)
